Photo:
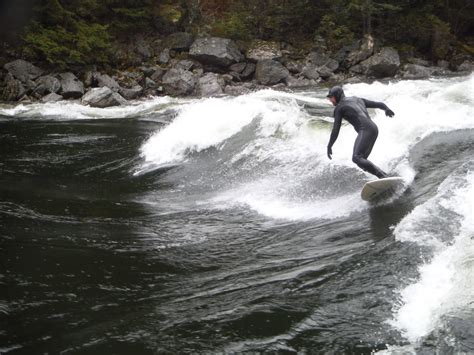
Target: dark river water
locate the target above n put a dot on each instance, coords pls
(220, 226)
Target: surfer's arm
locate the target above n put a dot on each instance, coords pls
(335, 131)
(379, 105)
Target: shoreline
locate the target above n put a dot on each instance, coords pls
(14, 104)
(213, 67)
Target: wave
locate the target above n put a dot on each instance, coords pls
(445, 226)
(73, 110)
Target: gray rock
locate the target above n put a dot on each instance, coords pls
(164, 56)
(270, 72)
(215, 51)
(88, 79)
(185, 64)
(132, 93)
(150, 83)
(148, 71)
(210, 85)
(293, 82)
(179, 41)
(242, 71)
(414, 71)
(46, 85)
(238, 67)
(381, 65)
(248, 71)
(71, 86)
(310, 72)
(13, 89)
(466, 66)
(294, 66)
(23, 70)
(53, 97)
(103, 97)
(157, 74)
(319, 59)
(419, 61)
(235, 90)
(325, 72)
(360, 54)
(179, 82)
(261, 50)
(104, 80)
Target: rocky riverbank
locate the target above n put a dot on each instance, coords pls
(212, 66)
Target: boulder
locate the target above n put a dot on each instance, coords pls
(71, 86)
(293, 82)
(179, 82)
(103, 97)
(13, 89)
(381, 65)
(419, 61)
(414, 71)
(150, 83)
(104, 80)
(260, 50)
(53, 97)
(46, 85)
(360, 54)
(248, 71)
(319, 64)
(466, 66)
(184, 64)
(235, 90)
(215, 51)
(242, 71)
(23, 70)
(294, 66)
(164, 56)
(132, 93)
(319, 59)
(210, 85)
(157, 74)
(310, 72)
(270, 72)
(179, 41)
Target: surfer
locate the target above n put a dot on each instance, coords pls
(354, 110)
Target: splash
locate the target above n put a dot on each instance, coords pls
(445, 286)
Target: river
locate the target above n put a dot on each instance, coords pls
(220, 226)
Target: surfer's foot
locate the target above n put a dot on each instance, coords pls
(382, 175)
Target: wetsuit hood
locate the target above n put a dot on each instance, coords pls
(337, 92)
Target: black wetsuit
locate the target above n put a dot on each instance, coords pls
(354, 110)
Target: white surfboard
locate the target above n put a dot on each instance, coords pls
(381, 188)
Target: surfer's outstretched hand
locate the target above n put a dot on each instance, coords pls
(389, 113)
(329, 152)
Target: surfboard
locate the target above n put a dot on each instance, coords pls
(381, 188)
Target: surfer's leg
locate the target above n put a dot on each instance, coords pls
(370, 136)
(362, 147)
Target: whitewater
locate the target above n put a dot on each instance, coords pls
(220, 225)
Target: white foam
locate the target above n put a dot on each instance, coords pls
(286, 139)
(73, 110)
(445, 284)
(210, 122)
(270, 197)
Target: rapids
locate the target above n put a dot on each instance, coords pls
(219, 225)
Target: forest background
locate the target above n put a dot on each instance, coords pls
(67, 34)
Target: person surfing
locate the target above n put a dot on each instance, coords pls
(354, 110)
